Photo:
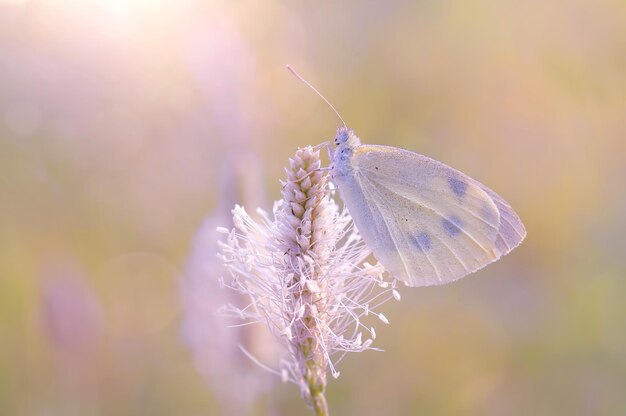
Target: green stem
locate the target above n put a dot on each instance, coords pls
(316, 386)
(318, 399)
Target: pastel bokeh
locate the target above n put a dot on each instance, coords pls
(119, 120)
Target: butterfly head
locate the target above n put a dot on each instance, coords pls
(346, 137)
(346, 142)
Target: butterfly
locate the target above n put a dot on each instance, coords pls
(425, 222)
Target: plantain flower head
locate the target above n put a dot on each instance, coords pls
(303, 270)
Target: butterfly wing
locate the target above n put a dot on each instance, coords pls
(427, 223)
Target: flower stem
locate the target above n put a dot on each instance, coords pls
(318, 399)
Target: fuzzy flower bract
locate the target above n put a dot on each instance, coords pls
(304, 271)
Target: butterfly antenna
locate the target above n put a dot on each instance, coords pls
(293, 71)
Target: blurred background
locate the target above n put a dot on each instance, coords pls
(126, 125)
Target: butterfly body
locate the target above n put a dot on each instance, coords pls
(425, 222)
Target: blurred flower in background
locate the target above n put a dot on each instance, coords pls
(70, 311)
(72, 319)
(238, 383)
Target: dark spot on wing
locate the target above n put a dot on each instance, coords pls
(458, 186)
(452, 225)
(422, 241)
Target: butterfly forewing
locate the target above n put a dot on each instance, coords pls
(426, 222)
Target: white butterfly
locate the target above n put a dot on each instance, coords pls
(425, 222)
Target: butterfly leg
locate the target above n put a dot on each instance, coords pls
(324, 169)
(329, 149)
(321, 169)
